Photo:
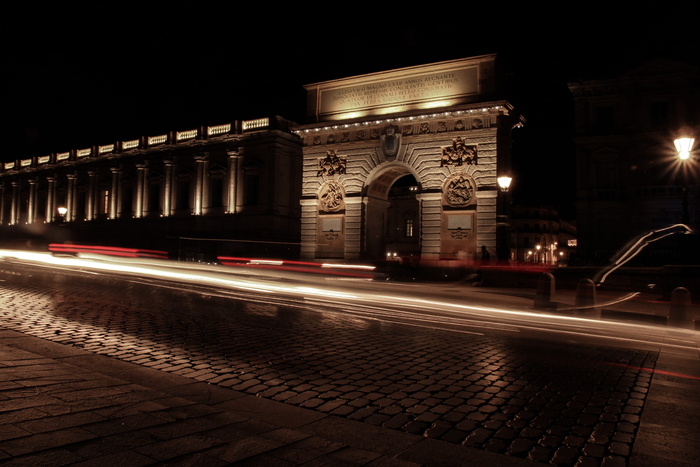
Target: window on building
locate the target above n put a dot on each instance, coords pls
(408, 228)
(103, 202)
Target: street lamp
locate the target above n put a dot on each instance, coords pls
(504, 182)
(62, 213)
(503, 221)
(684, 146)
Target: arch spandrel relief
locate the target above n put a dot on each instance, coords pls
(331, 197)
(459, 153)
(459, 191)
(332, 165)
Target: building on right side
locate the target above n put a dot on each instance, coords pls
(631, 179)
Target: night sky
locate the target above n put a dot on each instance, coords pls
(80, 73)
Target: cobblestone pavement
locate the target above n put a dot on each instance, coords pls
(540, 400)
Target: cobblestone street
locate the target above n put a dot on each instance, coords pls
(544, 401)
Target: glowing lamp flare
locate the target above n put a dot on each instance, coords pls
(504, 182)
(684, 146)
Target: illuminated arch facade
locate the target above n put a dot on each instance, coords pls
(438, 124)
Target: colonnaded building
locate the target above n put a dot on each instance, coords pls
(402, 163)
(228, 189)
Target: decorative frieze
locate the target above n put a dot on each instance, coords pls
(463, 120)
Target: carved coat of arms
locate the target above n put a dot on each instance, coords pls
(458, 154)
(331, 165)
(390, 141)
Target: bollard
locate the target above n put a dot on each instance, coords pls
(585, 295)
(679, 312)
(545, 290)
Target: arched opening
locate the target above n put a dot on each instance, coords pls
(402, 234)
(392, 222)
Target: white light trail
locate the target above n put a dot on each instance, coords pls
(376, 305)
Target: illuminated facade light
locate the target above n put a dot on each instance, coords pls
(255, 124)
(185, 135)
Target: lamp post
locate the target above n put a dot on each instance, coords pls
(683, 147)
(503, 222)
(62, 213)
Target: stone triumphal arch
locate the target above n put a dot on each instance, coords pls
(405, 163)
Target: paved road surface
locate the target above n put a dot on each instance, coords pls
(551, 401)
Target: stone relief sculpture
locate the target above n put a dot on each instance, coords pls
(459, 190)
(458, 154)
(331, 197)
(390, 141)
(331, 165)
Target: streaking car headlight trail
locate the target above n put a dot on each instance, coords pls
(370, 302)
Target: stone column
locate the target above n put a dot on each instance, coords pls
(14, 206)
(51, 199)
(141, 189)
(31, 206)
(430, 224)
(200, 184)
(353, 227)
(70, 198)
(115, 193)
(90, 201)
(2, 203)
(232, 186)
(168, 188)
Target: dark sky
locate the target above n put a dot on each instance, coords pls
(80, 73)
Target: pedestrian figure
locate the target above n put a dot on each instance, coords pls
(485, 255)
